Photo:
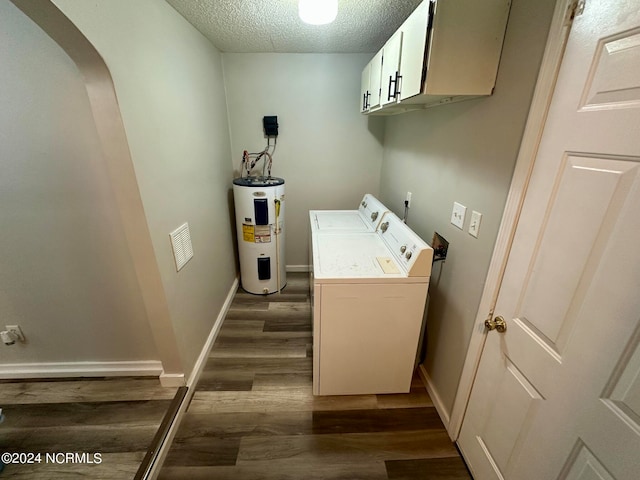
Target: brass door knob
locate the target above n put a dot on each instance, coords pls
(497, 323)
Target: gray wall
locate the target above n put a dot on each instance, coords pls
(464, 152)
(169, 83)
(328, 154)
(66, 275)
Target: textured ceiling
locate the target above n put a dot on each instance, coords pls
(274, 26)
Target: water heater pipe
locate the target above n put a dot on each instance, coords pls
(277, 203)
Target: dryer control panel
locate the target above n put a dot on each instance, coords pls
(407, 247)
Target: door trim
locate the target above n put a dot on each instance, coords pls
(545, 85)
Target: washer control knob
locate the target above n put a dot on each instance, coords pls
(403, 248)
(384, 226)
(407, 255)
(363, 204)
(374, 215)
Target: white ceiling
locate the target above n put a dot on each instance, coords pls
(274, 26)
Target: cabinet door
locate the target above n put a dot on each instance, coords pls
(414, 56)
(374, 80)
(365, 93)
(391, 68)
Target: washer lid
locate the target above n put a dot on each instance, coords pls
(338, 220)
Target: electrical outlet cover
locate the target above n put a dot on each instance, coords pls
(457, 216)
(16, 330)
(474, 223)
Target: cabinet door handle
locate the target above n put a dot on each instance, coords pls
(396, 90)
(367, 104)
(364, 101)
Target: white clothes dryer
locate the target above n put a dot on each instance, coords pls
(370, 291)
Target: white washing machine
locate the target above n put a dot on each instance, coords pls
(365, 219)
(370, 293)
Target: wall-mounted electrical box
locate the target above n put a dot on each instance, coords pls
(440, 247)
(270, 124)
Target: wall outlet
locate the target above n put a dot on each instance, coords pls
(457, 216)
(408, 199)
(474, 224)
(15, 330)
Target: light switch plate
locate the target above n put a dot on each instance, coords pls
(457, 216)
(474, 224)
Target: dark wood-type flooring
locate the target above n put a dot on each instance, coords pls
(253, 415)
(115, 417)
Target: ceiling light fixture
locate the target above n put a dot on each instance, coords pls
(318, 12)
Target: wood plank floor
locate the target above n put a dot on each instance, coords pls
(253, 414)
(116, 417)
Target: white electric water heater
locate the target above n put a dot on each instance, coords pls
(259, 205)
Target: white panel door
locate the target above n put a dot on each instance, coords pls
(557, 396)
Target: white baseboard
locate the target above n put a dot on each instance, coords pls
(204, 353)
(193, 379)
(437, 401)
(172, 380)
(80, 369)
(298, 268)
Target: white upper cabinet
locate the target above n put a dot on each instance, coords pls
(375, 79)
(446, 51)
(370, 84)
(365, 93)
(391, 69)
(414, 43)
